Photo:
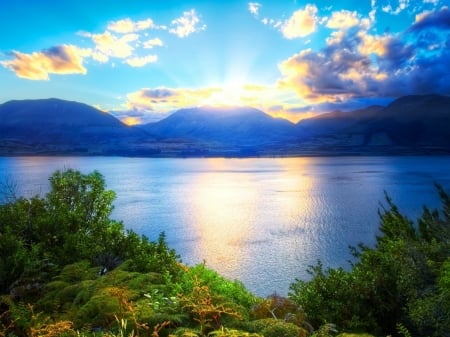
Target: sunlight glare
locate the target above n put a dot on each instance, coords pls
(230, 95)
(130, 121)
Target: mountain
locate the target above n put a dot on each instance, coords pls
(58, 125)
(229, 126)
(408, 125)
(414, 121)
(417, 123)
(332, 122)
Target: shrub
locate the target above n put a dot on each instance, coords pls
(399, 282)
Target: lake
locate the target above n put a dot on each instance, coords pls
(260, 220)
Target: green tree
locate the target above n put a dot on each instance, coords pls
(39, 236)
(398, 282)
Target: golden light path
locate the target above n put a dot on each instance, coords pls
(227, 217)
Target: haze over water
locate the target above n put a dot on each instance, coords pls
(262, 221)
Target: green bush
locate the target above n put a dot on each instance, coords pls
(270, 327)
(402, 280)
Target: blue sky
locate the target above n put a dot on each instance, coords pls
(141, 60)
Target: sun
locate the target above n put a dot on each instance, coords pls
(230, 94)
(130, 121)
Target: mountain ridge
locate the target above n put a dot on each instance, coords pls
(224, 124)
(409, 124)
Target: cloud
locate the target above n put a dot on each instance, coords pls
(61, 60)
(432, 19)
(141, 61)
(126, 26)
(156, 103)
(253, 8)
(109, 45)
(187, 24)
(168, 99)
(272, 22)
(302, 23)
(402, 5)
(343, 19)
(156, 42)
(355, 63)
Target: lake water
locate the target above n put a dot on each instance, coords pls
(262, 221)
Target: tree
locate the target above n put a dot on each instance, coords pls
(399, 282)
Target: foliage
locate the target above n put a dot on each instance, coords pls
(232, 333)
(271, 327)
(67, 269)
(39, 236)
(401, 282)
(234, 292)
(205, 309)
(64, 254)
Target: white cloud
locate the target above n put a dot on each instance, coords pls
(127, 25)
(343, 19)
(149, 44)
(402, 5)
(141, 61)
(254, 7)
(187, 24)
(109, 45)
(302, 23)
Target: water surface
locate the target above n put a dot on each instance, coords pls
(262, 221)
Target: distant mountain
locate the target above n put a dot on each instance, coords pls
(336, 121)
(414, 121)
(232, 126)
(409, 125)
(54, 124)
(417, 123)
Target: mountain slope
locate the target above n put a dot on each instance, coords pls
(410, 124)
(411, 121)
(46, 124)
(336, 121)
(53, 119)
(417, 120)
(237, 126)
(54, 112)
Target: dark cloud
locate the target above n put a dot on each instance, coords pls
(355, 64)
(352, 104)
(338, 69)
(159, 93)
(128, 113)
(436, 19)
(303, 109)
(398, 56)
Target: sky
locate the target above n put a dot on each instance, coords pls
(140, 60)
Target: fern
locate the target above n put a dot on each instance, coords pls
(403, 331)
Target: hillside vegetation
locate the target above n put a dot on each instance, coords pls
(68, 269)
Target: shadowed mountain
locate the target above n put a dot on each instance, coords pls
(61, 125)
(418, 121)
(336, 121)
(414, 121)
(411, 124)
(232, 126)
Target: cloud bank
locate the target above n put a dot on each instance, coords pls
(356, 63)
(186, 25)
(125, 40)
(61, 60)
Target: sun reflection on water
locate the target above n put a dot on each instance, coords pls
(229, 219)
(223, 214)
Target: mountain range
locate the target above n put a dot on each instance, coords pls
(417, 124)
